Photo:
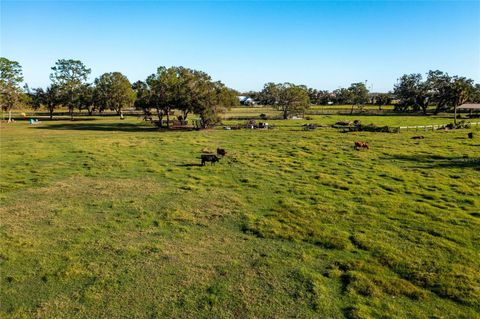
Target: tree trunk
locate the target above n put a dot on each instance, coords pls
(71, 114)
(160, 117)
(168, 118)
(285, 114)
(51, 113)
(424, 109)
(9, 115)
(351, 111)
(455, 114)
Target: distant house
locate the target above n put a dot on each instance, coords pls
(246, 101)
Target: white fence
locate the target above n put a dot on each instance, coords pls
(430, 127)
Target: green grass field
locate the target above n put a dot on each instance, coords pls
(102, 218)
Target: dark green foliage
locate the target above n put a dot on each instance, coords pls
(372, 128)
(11, 94)
(114, 92)
(49, 98)
(69, 77)
(289, 98)
(441, 89)
(187, 90)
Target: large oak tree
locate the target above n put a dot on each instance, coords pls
(289, 98)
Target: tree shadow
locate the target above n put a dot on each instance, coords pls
(54, 119)
(105, 127)
(439, 161)
(190, 165)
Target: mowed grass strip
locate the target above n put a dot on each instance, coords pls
(108, 218)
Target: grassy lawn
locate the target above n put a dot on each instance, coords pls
(102, 218)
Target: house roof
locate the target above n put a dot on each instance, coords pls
(470, 106)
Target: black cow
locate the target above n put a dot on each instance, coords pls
(470, 135)
(221, 152)
(209, 158)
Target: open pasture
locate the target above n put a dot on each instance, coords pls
(102, 218)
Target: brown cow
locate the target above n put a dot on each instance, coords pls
(360, 145)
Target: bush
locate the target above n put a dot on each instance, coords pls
(372, 128)
(461, 124)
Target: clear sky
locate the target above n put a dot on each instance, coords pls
(323, 44)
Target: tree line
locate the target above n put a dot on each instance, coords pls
(194, 92)
(411, 93)
(174, 88)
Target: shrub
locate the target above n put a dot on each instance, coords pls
(372, 128)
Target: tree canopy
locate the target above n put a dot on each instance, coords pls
(69, 76)
(113, 91)
(186, 90)
(289, 98)
(49, 98)
(439, 88)
(11, 93)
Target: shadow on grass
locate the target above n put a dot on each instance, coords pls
(55, 119)
(438, 161)
(190, 165)
(120, 127)
(114, 126)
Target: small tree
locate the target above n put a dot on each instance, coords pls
(270, 94)
(113, 91)
(143, 97)
(213, 98)
(358, 94)
(163, 85)
(293, 100)
(69, 76)
(342, 96)
(382, 99)
(11, 93)
(86, 98)
(48, 98)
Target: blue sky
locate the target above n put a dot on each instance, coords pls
(323, 44)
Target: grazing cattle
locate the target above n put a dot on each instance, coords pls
(221, 152)
(209, 158)
(360, 144)
(420, 137)
(470, 135)
(309, 127)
